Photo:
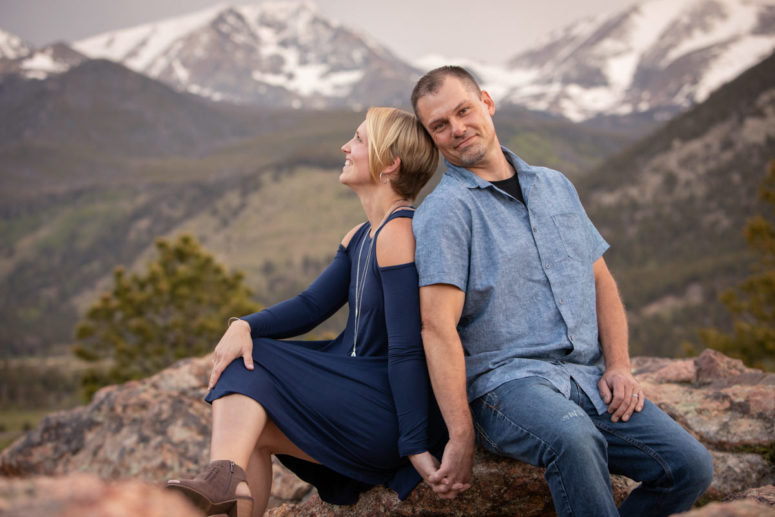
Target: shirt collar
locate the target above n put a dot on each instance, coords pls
(526, 173)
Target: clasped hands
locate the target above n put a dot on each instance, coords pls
(453, 475)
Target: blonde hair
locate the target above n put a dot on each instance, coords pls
(395, 133)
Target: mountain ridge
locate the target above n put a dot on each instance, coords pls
(656, 58)
(661, 56)
(651, 60)
(273, 54)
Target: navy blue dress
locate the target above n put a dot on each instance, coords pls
(359, 416)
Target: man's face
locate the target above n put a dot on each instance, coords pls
(459, 121)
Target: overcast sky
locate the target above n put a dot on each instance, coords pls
(412, 28)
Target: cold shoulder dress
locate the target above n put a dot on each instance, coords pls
(359, 415)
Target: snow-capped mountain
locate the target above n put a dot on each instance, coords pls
(20, 58)
(659, 56)
(11, 46)
(655, 58)
(275, 54)
(41, 63)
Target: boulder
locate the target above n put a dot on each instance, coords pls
(83, 494)
(756, 502)
(764, 495)
(501, 487)
(159, 428)
(154, 429)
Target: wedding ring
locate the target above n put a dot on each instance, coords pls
(635, 395)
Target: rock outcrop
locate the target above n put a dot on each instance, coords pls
(757, 502)
(159, 428)
(152, 430)
(86, 494)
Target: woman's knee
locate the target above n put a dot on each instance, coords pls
(270, 440)
(274, 441)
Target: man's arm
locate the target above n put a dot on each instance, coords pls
(441, 306)
(618, 387)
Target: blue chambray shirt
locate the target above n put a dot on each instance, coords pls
(530, 305)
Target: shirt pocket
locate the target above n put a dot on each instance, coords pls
(573, 235)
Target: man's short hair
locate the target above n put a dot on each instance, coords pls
(431, 82)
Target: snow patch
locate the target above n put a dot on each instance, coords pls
(138, 47)
(738, 19)
(12, 47)
(738, 57)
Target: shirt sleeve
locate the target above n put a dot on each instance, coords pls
(597, 244)
(307, 310)
(407, 370)
(442, 230)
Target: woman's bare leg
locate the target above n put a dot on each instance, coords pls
(244, 433)
(238, 421)
(259, 473)
(271, 441)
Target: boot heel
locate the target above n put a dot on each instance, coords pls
(214, 489)
(242, 508)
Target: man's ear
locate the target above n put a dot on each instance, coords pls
(487, 100)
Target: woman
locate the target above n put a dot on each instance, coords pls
(344, 414)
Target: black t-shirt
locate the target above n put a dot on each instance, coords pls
(510, 186)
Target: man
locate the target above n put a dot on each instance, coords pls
(522, 319)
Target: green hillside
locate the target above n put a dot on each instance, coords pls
(673, 207)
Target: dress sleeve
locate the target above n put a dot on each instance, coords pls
(407, 371)
(307, 310)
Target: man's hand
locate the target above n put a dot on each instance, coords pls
(236, 342)
(454, 474)
(621, 392)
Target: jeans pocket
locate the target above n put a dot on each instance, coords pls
(483, 439)
(484, 409)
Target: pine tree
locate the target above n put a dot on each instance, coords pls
(752, 304)
(178, 308)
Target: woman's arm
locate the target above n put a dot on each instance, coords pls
(289, 318)
(307, 310)
(406, 359)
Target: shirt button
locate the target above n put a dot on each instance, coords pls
(548, 265)
(535, 230)
(572, 338)
(562, 301)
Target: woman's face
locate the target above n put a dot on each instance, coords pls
(356, 159)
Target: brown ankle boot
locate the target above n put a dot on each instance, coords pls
(214, 489)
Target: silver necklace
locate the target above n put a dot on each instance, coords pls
(360, 283)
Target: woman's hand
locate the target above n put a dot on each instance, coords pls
(425, 464)
(236, 342)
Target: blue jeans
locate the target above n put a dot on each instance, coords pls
(530, 420)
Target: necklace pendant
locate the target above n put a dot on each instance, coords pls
(352, 354)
